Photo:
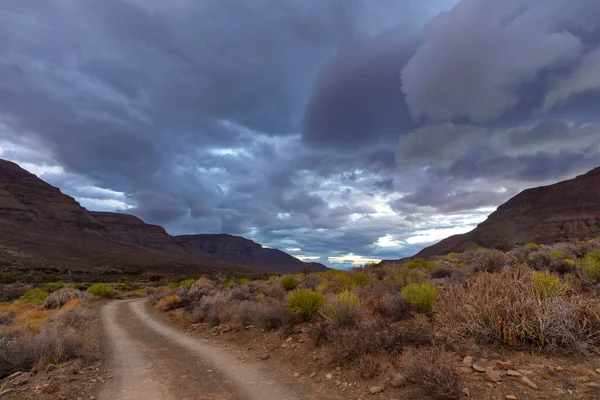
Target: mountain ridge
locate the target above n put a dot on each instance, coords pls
(568, 209)
(40, 222)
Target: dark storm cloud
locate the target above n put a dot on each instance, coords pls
(357, 101)
(477, 56)
(280, 120)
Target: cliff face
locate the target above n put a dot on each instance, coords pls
(130, 229)
(244, 251)
(565, 210)
(26, 199)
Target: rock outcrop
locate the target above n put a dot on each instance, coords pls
(565, 210)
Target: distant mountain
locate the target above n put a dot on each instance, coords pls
(565, 210)
(41, 226)
(239, 250)
(129, 229)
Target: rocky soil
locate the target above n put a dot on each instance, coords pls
(74, 380)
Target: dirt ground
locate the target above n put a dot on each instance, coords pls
(149, 359)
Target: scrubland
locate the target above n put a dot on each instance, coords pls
(421, 327)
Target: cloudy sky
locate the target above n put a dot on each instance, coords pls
(337, 130)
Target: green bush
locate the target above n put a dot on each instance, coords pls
(273, 277)
(344, 310)
(289, 283)
(403, 276)
(590, 266)
(360, 279)
(306, 303)
(187, 284)
(546, 284)
(51, 286)
(243, 281)
(421, 296)
(558, 254)
(226, 283)
(336, 281)
(34, 296)
(422, 263)
(102, 290)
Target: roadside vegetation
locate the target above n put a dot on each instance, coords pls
(418, 317)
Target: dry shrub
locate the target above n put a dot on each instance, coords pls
(435, 371)
(67, 335)
(169, 303)
(267, 314)
(240, 293)
(202, 287)
(310, 281)
(487, 260)
(371, 336)
(274, 290)
(194, 315)
(504, 308)
(219, 313)
(214, 309)
(10, 354)
(319, 332)
(61, 297)
(79, 318)
(368, 366)
(55, 344)
(395, 307)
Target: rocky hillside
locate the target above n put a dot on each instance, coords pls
(129, 229)
(238, 249)
(565, 210)
(25, 199)
(40, 226)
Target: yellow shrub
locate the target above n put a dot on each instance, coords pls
(422, 263)
(102, 290)
(404, 275)
(168, 303)
(590, 266)
(34, 296)
(421, 296)
(306, 303)
(289, 282)
(343, 310)
(546, 284)
(187, 284)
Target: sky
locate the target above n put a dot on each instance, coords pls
(340, 131)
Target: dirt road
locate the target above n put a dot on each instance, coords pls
(151, 360)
